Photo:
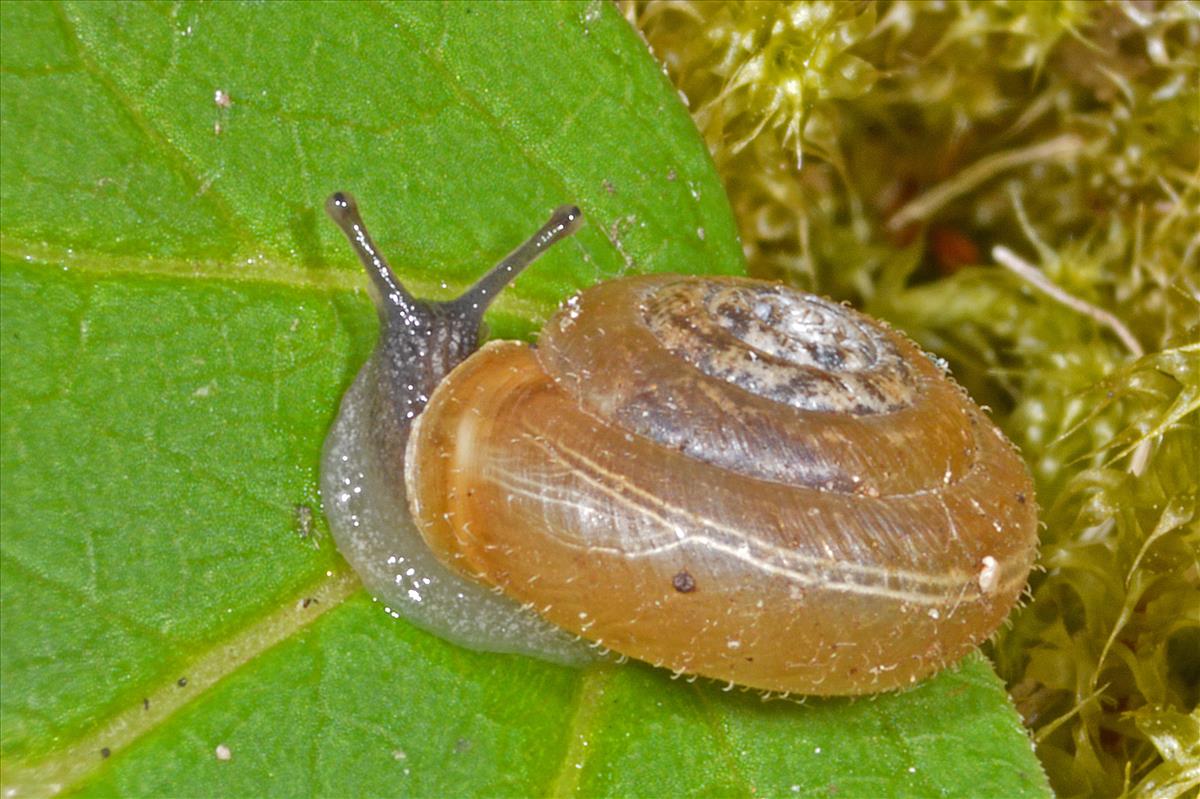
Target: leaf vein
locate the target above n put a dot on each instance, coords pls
(75, 762)
(180, 161)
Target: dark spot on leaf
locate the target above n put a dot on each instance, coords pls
(1020, 498)
(684, 583)
(145, 703)
(105, 752)
(181, 682)
(462, 745)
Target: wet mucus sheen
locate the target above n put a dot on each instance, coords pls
(719, 476)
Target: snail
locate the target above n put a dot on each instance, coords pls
(719, 476)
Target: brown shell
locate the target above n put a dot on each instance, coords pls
(818, 510)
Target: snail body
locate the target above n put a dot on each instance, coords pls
(719, 476)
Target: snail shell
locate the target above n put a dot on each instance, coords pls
(723, 477)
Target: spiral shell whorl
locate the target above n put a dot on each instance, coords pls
(831, 401)
(776, 343)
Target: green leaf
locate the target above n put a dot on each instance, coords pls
(178, 323)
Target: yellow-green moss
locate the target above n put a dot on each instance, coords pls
(900, 155)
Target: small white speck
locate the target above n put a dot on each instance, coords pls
(989, 574)
(817, 750)
(934, 614)
(223, 752)
(733, 644)
(222, 98)
(399, 754)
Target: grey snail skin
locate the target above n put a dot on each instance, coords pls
(718, 476)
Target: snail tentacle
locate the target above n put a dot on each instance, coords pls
(565, 220)
(343, 210)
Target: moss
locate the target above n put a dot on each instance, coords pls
(1017, 185)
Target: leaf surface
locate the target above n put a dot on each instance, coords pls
(179, 322)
